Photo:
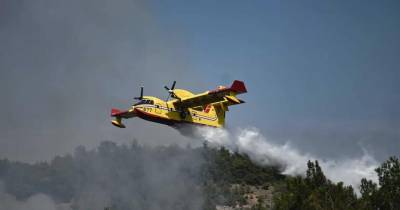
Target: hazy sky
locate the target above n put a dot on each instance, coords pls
(324, 75)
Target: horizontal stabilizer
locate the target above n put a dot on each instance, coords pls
(233, 99)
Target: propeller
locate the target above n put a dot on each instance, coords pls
(170, 90)
(141, 94)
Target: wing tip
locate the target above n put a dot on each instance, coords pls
(117, 123)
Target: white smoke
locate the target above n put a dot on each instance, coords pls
(292, 161)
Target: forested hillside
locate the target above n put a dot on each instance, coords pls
(171, 177)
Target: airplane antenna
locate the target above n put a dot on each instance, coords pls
(141, 94)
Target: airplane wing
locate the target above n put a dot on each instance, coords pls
(224, 95)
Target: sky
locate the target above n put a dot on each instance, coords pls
(322, 75)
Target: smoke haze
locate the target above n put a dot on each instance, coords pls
(117, 176)
(35, 202)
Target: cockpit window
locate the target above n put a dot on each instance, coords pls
(144, 102)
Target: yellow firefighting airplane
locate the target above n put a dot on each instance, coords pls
(206, 108)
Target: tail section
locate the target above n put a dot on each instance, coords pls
(230, 99)
(238, 87)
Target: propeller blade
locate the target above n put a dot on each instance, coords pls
(173, 85)
(170, 91)
(141, 92)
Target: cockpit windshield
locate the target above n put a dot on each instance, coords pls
(144, 102)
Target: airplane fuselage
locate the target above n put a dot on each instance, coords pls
(207, 108)
(157, 110)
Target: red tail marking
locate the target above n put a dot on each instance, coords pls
(238, 86)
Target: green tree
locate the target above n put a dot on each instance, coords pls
(389, 180)
(315, 191)
(387, 196)
(369, 195)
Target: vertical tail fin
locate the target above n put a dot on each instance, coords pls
(238, 87)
